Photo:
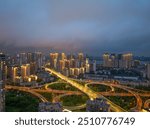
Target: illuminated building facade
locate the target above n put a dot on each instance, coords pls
(70, 65)
(107, 61)
(14, 73)
(53, 60)
(25, 70)
(127, 60)
(118, 61)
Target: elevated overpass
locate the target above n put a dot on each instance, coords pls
(85, 90)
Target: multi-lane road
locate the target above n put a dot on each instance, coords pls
(85, 90)
(137, 96)
(35, 92)
(43, 99)
(26, 89)
(147, 104)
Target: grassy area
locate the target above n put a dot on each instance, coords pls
(99, 87)
(62, 86)
(74, 100)
(143, 88)
(48, 96)
(17, 101)
(126, 102)
(144, 98)
(119, 90)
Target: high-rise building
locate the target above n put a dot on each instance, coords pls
(127, 60)
(30, 57)
(71, 72)
(61, 65)
(136, 63)
(25, 70)
(81, 59)
(118, 61)
(36, 60)
(148, 71)
(87, 66)
(33, 68)
(53, 60)
(80, 56)
(73, 63)
(107, 62)
(14, 73)
(22, 58)
(39, 59)
(63, 56)
(2, 81)
(94, 66)
(67, 64)
(82, 70)
(76, 71)
(114, 60)
(2, 96)
(66, 72)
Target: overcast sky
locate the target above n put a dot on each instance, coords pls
(92, 26)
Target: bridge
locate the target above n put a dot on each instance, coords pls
(85, 90)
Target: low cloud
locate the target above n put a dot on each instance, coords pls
(92, 26)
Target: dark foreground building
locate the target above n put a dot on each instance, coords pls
(97, 105)
(50, 107)
(2, 81)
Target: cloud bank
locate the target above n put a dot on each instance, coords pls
(94, 26)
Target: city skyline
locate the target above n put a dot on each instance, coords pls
(94, 27)
(63, 82)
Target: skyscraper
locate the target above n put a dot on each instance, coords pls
(87, 66)
(94, 66)
(61, 65)
(53, 60)
(107, 62)
(30, 57)
(63, 56)
(118, 61)
(80, 56)
(14, 73)
(39, 59)
(2, 81)
(81, 59)
(127, 60)
(25, 70)
(22, 58)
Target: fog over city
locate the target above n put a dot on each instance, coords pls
(91, 26)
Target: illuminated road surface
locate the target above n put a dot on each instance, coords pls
(65, 93)
(32, 91)
(86, 90)
(25, 89)
(147, 104)
(137, 96)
